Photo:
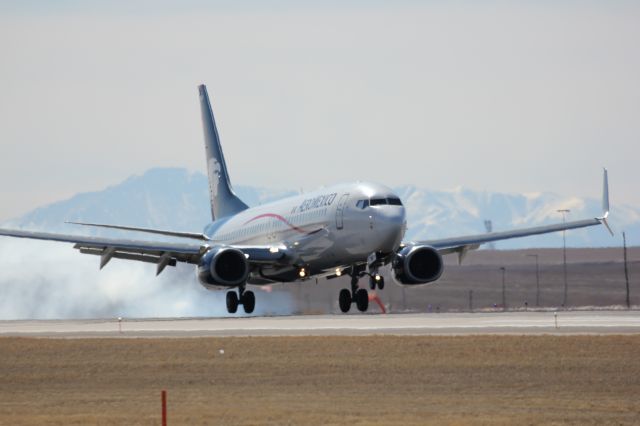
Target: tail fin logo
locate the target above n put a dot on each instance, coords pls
(214, 173)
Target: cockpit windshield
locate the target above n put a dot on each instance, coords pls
(393, 201)
(362, 204)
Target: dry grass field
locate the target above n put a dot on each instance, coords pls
(323, 380)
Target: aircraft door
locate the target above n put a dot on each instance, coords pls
(340, 211)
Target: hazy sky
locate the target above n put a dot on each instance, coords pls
(502, 96)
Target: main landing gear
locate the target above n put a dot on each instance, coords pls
(358, 296)
(247, 299)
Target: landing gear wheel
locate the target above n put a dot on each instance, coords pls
(344, 300)
(373, 283)
(232, 302)
(248, 301)
(362, 300)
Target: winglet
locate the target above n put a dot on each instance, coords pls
(605, 194)
(605, 201)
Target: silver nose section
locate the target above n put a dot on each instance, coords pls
(391, 225)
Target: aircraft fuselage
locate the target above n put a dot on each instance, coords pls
(323, 230)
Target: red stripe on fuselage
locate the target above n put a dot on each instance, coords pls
(280, 218)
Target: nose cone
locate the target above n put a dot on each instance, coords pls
(390, 226)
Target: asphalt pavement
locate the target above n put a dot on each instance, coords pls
(521, 323)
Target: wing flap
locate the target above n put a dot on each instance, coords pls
(127, 256)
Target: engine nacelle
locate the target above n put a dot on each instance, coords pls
(417, 265)
(224, 267)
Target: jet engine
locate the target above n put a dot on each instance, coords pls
(223, 267)
(417, 265)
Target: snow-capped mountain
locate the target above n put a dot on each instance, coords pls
(177, 199)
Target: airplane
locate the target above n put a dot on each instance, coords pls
(350, 229)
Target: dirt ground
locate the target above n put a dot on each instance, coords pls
(505, 380)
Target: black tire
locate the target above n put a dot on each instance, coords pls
(248, 301)
(372, 283)
(344, 300)
(381, 283)
(362, 300)
(232, 302)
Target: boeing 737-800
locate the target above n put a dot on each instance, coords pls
(351, 229)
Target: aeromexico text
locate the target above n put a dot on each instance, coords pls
(314, 203)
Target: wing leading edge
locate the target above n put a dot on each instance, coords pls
(192, 235)
(469, 242)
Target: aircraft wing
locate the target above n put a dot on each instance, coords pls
(161, 253)
(469, 240)
(465, 243)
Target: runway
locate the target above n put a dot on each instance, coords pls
(566, 322)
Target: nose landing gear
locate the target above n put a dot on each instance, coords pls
(247, 299)
(376, 280)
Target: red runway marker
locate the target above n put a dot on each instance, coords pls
(164, 408)
(374, 297)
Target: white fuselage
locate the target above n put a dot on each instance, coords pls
(333, 227)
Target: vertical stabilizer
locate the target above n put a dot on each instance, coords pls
(224, 201)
